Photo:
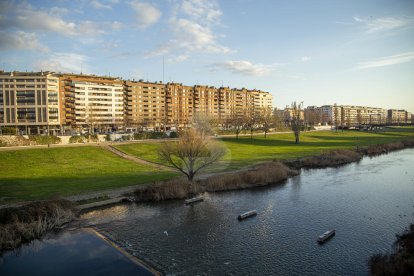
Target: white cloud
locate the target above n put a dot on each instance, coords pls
(305, 58)
(387, 61)
(20, 40)
(192, 29)
(146, 14)
(196, 37)
(25, 17)
(374, 25)
(202, 10)
(98, 5)
(63, 62)
(244, 67)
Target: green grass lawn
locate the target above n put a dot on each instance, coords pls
(246, 151)
(41, 173)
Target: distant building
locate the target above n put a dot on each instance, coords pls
(399, 116)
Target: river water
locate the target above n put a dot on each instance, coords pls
(366, 202)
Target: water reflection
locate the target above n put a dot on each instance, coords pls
(68, 253)
(359, 200)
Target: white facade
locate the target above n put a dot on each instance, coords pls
(98, 104)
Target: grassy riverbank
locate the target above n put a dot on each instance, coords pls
(35, 174)
(246, 151)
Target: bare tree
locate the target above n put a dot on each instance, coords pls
(278, 120)
(91, 118)
(237, 123)
(336, 115)
(296, 122)
(191, 153)
(203, 123)
(359, 118)
(267, 120)
(251, 123)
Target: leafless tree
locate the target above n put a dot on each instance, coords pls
(267, 120)
(342, 119)
(191, 153)
(251, 123)
(91, 118)
(237, 123)
(278, 120)
(336, 115)
(203, 123)
(296, 122)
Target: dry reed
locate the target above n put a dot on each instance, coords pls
(22, 224)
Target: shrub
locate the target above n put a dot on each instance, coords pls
(259, 175)
(331, 159)
(381, 149)
(173, 189)
(125, 137)
(44, 139)
(173, 134)
(22, 224)
(401, 262)
(77, 139)
(8, 130)
(108, 137)
(93, 138)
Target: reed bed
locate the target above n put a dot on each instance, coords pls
(400, 262)
(20, 225)
(259, 175)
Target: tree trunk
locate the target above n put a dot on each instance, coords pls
(190, 176)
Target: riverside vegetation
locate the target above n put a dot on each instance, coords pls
(20, 225)
(400, 262)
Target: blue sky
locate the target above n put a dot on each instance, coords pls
(320, 52)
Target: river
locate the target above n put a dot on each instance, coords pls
(366, 202)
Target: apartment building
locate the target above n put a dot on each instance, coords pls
(92, 103)
(398, 116)
(289, 114)
(206, 101)
(180, 104)
(30, 102)
(64, 103)
(145, 105)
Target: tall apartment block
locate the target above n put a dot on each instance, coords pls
(145, 105)
(92, 102)
(30, 102)
(56, 103)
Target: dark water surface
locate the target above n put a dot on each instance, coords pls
(69, 253)
(367, 203)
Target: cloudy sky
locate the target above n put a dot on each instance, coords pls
(320, 52)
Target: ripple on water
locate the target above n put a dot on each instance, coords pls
(358, 200)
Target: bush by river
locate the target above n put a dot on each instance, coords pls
(401, 262)
(20, 225)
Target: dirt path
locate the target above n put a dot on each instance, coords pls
(135, 159)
